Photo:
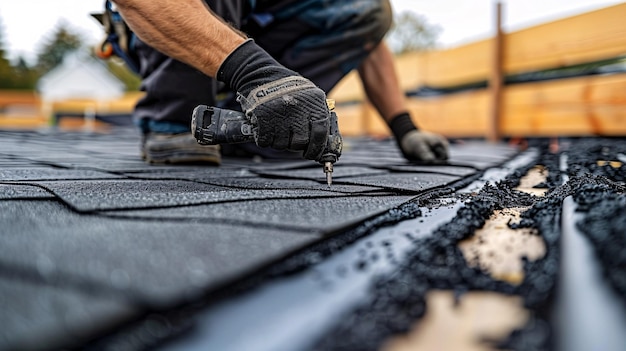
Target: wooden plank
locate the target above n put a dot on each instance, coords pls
(456, 66)
(457, 115)
(349, 89)
(431, 114)
(411, 68)
(588, 37)
(578, 106)
(593, 105)
(351, 119)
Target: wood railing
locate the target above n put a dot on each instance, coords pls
(576, 106)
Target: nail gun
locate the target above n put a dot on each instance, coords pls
(212, 126)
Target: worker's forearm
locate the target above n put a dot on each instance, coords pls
(185, 30)
(380, 82)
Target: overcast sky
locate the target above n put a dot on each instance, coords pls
(26, 22)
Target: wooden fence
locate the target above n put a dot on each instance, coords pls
(577, 106)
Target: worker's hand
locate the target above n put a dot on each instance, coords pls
(415, 144)
(288, 111)
(424, 146)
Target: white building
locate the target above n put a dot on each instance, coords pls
(80, 77)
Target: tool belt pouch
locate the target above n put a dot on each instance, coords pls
(119, 40)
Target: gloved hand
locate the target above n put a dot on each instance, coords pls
(288, 110)
(424, 146)
(417, 145)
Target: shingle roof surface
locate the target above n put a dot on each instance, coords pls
(90, 234)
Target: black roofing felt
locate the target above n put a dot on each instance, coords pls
(89, 233)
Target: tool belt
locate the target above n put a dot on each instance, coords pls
(119, 38)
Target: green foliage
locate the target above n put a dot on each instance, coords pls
(61, 42)
(5, 65)
(412, 32)
(18, 76)
(22, 76)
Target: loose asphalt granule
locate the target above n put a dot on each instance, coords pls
(596, 183)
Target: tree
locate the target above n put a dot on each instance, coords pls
(6, 79)
(61, 42)
(412, 32)
(24, 77)
(15, 76)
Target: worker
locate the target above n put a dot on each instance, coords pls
(278, 56)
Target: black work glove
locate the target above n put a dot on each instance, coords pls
(417, 145)
(288, 110)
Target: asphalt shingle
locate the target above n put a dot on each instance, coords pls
(408, 181)
(159, 261)
(38, 173)
(38, 316)
(18, 191)
(318, 214)
(82, 213)
(130, 194)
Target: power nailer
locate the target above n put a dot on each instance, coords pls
(212, 126)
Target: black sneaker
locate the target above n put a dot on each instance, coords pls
(178, 148)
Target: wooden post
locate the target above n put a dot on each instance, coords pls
(496, 79)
